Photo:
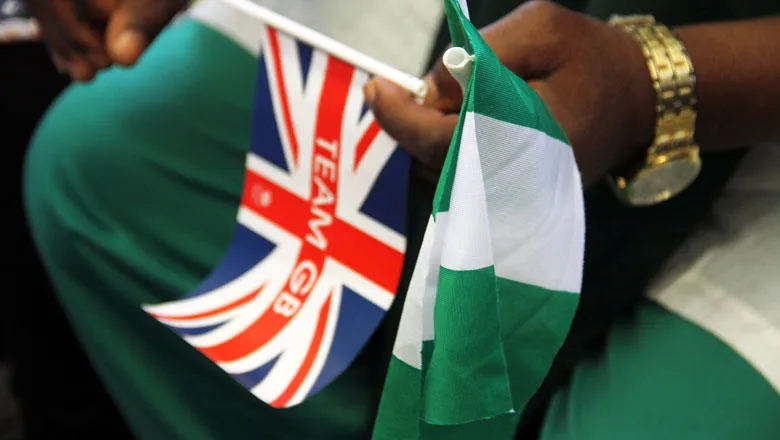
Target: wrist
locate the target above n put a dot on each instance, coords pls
(736, 70)
(640, 98)
(671, 161)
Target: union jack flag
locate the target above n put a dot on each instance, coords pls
(320, 242)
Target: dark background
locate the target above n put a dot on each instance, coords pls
(53, 383)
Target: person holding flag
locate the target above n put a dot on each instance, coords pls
(654, 366)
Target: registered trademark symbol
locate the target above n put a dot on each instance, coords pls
(261, 196)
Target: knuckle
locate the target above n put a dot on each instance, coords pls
(542, 8)
(152, 16)
(549, 16)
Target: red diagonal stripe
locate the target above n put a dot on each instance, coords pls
(273, 40)
(368, 138)
(308, 361)
(233, 305)
(267, 326)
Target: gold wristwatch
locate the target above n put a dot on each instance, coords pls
(672, 162)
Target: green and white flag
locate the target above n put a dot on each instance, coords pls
(497, 279)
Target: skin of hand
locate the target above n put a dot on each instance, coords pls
(592, 76)
(85, 36)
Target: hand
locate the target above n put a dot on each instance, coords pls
(73, 31)
(85, 36)
(592, 76)
(135, 24)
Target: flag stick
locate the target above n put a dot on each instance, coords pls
(460, 65)
(345, 53)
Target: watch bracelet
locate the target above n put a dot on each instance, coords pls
(674, 81)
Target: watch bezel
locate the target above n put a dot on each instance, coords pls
(624, 186)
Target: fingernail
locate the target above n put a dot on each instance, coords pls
(81, 72)
(370, 91)
(127, 46)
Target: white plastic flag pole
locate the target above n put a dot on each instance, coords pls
(345, 53)
(460, 65)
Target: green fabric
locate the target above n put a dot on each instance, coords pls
(132, 188)
(467, 357)
(507, 226)
(664, 378)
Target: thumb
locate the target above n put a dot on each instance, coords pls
(444, 92)
(135, 24)
(422, 130)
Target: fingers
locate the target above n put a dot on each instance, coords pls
(421, 129)
(76, 46)
(135, 24)
(527, 39)
(97, 10)
(444, 92)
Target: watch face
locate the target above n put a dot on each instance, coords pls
(663, 182)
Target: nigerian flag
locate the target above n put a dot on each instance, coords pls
(497, 279)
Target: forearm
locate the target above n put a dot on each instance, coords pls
(738, 74)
